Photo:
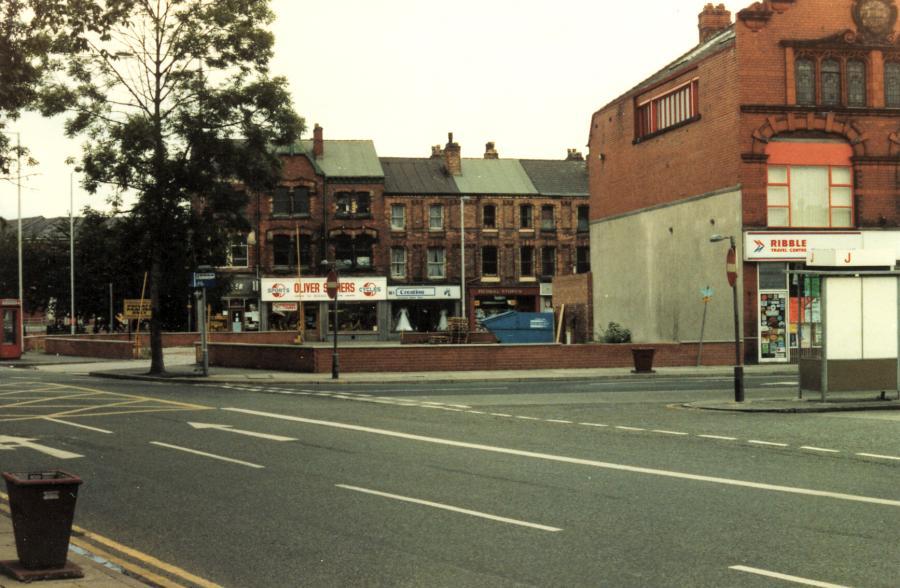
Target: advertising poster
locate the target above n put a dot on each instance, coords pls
(773, 326)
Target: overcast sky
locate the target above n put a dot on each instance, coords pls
(526, 74)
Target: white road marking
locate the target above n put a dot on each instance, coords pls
(822, 449)
(630, 428)
(786, 577)
(230, 429)
(779, 384)
(559, 421)
(664, 432)
(500, 414)
(720, 437)
(80, 426)
(7, 442)
(473, 513)
(879, 456)
(212, 455)
(593, 425)
(527, 418)
(755, 442)
(578, 461)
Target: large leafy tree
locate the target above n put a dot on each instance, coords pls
(177, 104)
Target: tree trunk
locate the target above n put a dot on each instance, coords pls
(157, 364)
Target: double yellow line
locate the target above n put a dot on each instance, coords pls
(139, 564)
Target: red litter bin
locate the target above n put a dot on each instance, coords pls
(42, 506)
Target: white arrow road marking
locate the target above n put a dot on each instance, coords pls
(7, 442)
(786, 577)
(579, 461)
(473, 513)
(212, 455)
(230, 429)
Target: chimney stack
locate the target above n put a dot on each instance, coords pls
(574, 155)
(318, 143)
(490, 152)
(452, 158)
(436, 152)
(712, 21)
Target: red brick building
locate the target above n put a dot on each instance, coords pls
(779, 129)
(393, 226)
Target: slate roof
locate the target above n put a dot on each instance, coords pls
(494, 176)
(557, 178)
(341, 159)
(408, 175)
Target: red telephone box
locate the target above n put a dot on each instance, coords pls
(11, 333)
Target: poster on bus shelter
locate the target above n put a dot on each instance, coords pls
(773, 326)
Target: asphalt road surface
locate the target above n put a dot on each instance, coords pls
(553, 483)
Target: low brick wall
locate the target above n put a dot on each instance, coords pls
(416, 358)
(413, 338)
(106, 349)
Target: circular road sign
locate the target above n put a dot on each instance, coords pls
(731, 267)
(331, 284)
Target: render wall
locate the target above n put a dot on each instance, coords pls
(649, 268)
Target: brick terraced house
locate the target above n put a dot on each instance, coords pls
(392, 225)
(781, 129)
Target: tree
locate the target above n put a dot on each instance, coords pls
(178, 105)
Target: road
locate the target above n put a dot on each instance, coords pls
(562, 483)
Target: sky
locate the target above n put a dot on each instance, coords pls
(525, 74)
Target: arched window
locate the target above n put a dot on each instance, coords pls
(856, 83)
(892, 84)
(831, 82)
(805, 76)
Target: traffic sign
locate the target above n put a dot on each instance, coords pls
(706, 293)
(731, 267)
(204, 280)
(331, 284)
(136, 309)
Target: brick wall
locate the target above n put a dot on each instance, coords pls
(576, 293)
(106, 349)
(458, 357)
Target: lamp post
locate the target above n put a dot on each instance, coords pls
(72, 251)
(462, 256)
(731, 271)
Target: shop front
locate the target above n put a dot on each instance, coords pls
(787, 311)
(362, 306)
(241, 305)
(488, 301)
(422, 309)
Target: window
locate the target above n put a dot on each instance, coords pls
(526, 216)
(548, 223)
(856, 83)
(526, 261)
(805, 76)
(352, 205)
(548, 261)
(809, 185)
(892, 84)
(582, 259)
(284, 251)
(291, 201)
(436, 217)
(398, 262)
(237, 252)
(831, 82)
(353, 252)
(436, 263)
(398, 217)
(668, 110)
(489, 261)
(489, 216)
(583, 219)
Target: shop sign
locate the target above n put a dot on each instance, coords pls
(135, 308)
(795, 246)
(242, 287)
(547, 289)
(851, 258)
(503, 292)
(423, 292)
(314, 289)
(284, 307)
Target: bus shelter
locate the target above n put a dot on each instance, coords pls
(856, 346)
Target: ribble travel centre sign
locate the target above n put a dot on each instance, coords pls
(314, 289)
(794, 246)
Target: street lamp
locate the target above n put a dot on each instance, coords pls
(72, 250)
(19, 227)
(462, 255)
(731, 270)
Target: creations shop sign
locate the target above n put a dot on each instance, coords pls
(312, 289)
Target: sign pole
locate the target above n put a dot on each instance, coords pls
(331, 287)
(301, 317)
(731, 271)
(204, 334)
(707, 294)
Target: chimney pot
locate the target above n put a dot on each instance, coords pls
(713, 20)
(452, 157)
(490, 152)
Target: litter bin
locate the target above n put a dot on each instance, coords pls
(43, 506)
(643, 359)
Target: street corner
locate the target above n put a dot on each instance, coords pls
(796, 405)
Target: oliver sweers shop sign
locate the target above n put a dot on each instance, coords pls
(312, 289)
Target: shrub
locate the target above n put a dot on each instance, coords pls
(616, 333)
